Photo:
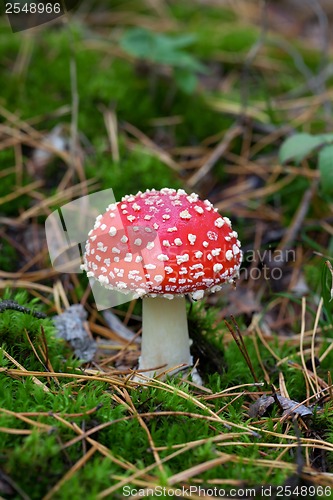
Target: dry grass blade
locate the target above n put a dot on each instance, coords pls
(22, 370)
(306, 373)
(70, 473)
(111, 123)
(241, 345)
(21, 191)
(103, 450)
(152, 147)
(198, 469)
(217, 153)
(313, 338)
(23, 418)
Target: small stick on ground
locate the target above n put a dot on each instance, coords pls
(241, 345)
(14, 306)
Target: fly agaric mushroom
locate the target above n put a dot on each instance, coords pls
(162, 245)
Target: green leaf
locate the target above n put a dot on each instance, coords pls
(161, 49)
(185, 80)
(326, 138)
(325, 164)
(298, 147)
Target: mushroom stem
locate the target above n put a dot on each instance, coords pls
(165, 339)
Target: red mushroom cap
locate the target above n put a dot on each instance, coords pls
(162, 243)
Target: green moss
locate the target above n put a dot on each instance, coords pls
(149, 172)
(16, 328)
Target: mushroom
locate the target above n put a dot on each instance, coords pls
(161, 245)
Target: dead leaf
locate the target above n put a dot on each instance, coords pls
(289, 406)
(72, 327)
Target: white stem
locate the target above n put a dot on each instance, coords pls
(165, 339)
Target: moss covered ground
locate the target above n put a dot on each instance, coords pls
(140, 94)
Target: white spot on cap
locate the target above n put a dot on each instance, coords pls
(197, 275)
(235, 249)
(171, 229)
(216, 251)
(166, 243)
(128, 257)
(124, 239)
(192, 197)
(121, 285)
(197, 266)
(150, 245)
(136, 207)
(182, 258)
(178, 242)
(217, 268)
(162, 257)
(198, 209)
(219, 222)
(185, 214)
(205, 244)
(229, 255)
(138, 258)
(158, 278)
(115, 250)
(103, 279)
(147, 217)
(198, 254)
(98, 257)
(138, 242)
(130, 218)
(165, 216)
(112, 231)
(198, 294)
(150, 266)
(227, 220)
(156, 226)
(168, 269)
(191, 238)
